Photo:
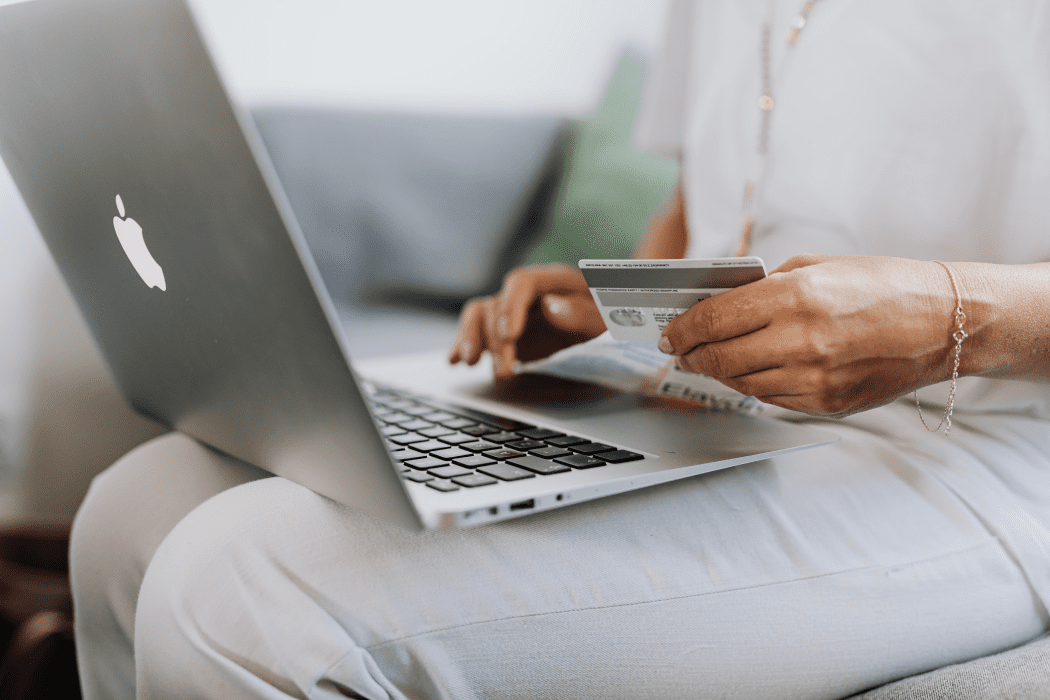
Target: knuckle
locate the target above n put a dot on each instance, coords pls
(471, 310)
(516, 278)
(715, 361)
(804, 260)
(816, 349)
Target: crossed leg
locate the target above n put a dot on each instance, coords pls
(817, 574)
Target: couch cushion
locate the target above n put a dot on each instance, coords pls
(1018, 674)
(611, 189)
(415, 205)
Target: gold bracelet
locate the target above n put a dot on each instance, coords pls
(958, 336)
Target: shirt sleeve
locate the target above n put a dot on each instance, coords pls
(661, 121)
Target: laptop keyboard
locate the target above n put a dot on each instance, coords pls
(451, 447)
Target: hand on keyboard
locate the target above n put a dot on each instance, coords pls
(540, 310)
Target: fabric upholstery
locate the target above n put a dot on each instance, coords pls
(1018, 674)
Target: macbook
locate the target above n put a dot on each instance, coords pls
(161, 209)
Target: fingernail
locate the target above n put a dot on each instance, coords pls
(555, 305)
(503, 327)
(665, 345)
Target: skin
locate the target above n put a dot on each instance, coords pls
(824, 335)
(544, 308)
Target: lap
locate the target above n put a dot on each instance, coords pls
(816, 574)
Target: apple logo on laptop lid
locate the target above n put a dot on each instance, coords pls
(130, 235)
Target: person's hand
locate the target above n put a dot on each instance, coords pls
(540, 310)
(824, 335)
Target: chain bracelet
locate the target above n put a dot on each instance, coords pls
(958, 336)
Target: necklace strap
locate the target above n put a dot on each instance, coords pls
(766, 103)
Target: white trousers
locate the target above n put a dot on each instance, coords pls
(813, 575)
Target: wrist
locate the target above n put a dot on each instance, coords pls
(1006, 317)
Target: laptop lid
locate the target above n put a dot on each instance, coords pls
(160, 208)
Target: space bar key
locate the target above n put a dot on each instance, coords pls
(506, 472)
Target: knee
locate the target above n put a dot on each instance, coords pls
(226, 606)
(127, 513)
(112, 539)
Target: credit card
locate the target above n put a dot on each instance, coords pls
(638, 298)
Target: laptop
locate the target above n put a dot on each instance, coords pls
(162, 210)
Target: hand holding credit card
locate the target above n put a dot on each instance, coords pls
(638, 298)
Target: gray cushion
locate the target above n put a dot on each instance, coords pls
(414, 205)
(1018, 674)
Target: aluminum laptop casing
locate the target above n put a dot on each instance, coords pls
(241, 348)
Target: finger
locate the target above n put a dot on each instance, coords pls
(775, 383)
(761, 350)
(727, 315)
(808, 391)
(470, 344)
(521, 289)
(573, 313)
(502, 349)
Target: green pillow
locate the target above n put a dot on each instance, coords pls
(611, 191)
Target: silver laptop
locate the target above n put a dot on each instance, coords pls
(162, 210)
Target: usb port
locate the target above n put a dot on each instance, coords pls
(524, 505)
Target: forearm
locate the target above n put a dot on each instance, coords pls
(667, 236)
(1007, 320)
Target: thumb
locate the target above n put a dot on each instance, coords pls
(572, 313)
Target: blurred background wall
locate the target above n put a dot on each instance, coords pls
(491, 56)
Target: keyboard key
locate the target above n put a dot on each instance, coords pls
(539, 433)
(392, 430)
(416, 424)
(474, 461)
(445, 486)
(526, 445)
(590, 448)
(535, 464)
(479, 430)
(479, 446)
(406, 454)
(417, 410)
(451, 453)
(566, 441)
(436, 431)
(458, 423)
(580, 461)
(547, 452)
(380, 411)
(450, 471)
(506, 472)
(438, 416)
(503, 453)
(419, 477)
(407, 439)
(499, 422)
(426, 463)
(457, 438)
(399, 403)
(472, 480)
(429, 446)
(618, 456)
(502, 437)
